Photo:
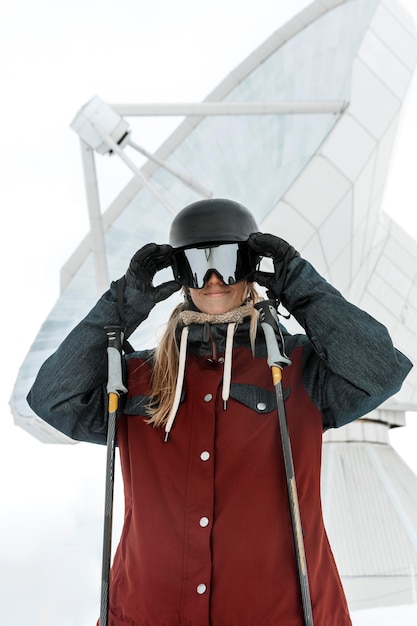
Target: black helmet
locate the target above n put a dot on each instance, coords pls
(211, 221)
(210, 236)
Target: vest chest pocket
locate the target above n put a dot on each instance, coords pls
(137, 405)
(256, 398)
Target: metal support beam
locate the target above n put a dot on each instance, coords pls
(114, 147)
(189, 182)
(231, 108)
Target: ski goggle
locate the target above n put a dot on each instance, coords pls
(232, 262)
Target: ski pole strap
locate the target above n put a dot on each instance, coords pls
(115, 384)
(273, 335)
(120, 288)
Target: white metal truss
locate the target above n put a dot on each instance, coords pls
(102, 129)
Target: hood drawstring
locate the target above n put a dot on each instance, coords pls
(188, 317)
(180, 380)
(227, 372)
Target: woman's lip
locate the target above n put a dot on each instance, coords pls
(216, 294)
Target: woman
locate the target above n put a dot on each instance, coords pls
(207, 535)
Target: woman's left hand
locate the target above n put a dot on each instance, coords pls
(281, 253)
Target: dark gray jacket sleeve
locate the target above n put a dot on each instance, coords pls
(350, 365)
(70, 389)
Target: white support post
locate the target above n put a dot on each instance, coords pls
(94, 213)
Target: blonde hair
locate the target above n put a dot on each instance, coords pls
(166, 360)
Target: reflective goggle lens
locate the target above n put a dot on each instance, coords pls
(232, 262)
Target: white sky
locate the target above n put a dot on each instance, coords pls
(56, 56)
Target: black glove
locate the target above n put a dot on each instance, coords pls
(281, 252)
(144, 265)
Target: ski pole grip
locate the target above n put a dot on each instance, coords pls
(273, 336)
(114, 356)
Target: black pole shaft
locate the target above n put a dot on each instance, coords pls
(108, 520)
(277, 360)
(115, 386)
(294, 506)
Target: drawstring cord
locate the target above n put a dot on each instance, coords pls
(231, 318)
(227, 373)
(180, 380)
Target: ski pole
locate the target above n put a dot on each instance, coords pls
(277, 360)
(115, 387)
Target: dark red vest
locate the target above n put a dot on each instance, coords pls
(207, 537)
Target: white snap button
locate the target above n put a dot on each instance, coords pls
(202, 588)
(221, 360)
(204, 456)
(208, 397)
(204, 521)
(261, 406)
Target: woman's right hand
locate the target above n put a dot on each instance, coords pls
(147, 261)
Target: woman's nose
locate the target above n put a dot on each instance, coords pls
(214, 279)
